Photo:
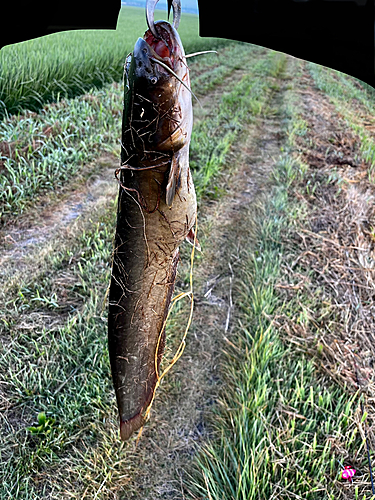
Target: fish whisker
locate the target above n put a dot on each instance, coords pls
(199, 53)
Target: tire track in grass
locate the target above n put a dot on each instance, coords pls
(231, 228)
(19, 239)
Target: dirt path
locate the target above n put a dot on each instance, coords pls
(28, 243)
(51, 217)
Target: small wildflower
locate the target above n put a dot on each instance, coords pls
(348, 472)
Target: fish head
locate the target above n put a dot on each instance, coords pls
(162, 101)
(167, 46)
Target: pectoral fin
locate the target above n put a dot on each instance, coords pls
(174, 175)
(190, 238)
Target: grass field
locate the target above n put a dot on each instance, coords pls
(71, 63)
(265, 401)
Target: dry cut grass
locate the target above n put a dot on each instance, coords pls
(330, 258)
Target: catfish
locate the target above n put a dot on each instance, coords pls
(156, 212)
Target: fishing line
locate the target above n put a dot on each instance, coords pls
(181, 347)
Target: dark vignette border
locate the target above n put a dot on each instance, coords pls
(338, 34)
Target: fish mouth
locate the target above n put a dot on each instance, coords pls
(146, 60)
(166, 47)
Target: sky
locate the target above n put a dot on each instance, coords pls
(186, 5)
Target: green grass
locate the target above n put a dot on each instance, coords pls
(340, 85)
(67, 374)
(211, 70)
(71, 63)
(51, 148)
(277, 415)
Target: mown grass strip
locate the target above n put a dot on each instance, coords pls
(71, 63)
(212, 137)
(281, 427)
(49, 149)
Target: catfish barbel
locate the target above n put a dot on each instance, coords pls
(156, 212)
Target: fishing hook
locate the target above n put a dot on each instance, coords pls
(150, 8)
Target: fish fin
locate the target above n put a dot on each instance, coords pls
(174, 173)
(190, 238)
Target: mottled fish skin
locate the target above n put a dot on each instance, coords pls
(156, 213)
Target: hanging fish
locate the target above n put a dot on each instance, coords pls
(156, 212)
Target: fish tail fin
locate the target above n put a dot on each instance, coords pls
(127, 427)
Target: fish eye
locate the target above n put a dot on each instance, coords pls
(154, 80)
